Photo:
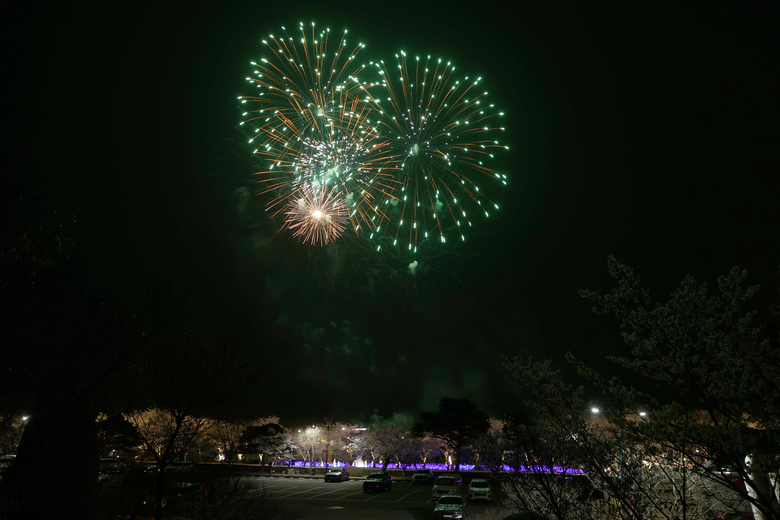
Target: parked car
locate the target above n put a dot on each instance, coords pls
(378, 482)
(336, 475)
(110, 465)
(178, 499)
(423, 476)
(451, 506)
(6, 461)
(479, 489)
(447, 484)
(180, 466)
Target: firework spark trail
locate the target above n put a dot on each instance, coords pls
(319, 216)
(439, 131)
(403, 170)
(309, 128)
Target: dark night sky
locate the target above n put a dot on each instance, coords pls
(645, 131)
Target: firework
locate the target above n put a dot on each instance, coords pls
(309, 128)
(440, 135)
(319, 216)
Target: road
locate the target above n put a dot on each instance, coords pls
(318, 500)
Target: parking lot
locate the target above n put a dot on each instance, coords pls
(317, 499)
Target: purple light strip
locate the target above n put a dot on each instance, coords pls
(440, 467)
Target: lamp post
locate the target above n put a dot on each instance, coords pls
(327, 448)
(311, 447)
(596, 411)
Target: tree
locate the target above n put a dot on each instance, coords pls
(165, 434)
(11, 429)
(65, 342)
(270, 441)
(680, 438)
(115, 434)
(184, 382)
(711, 371)
(347, 437)
(226, 436)
(457, 423)
(425, 447)
(308, 441)
(492, 446)
(551, 436)
(385, 439)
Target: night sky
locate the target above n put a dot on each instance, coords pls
(647, 131)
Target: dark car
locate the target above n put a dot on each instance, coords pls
(180, 466)
(336, 475)
(109, 465)
(377, 482)
(451, 506)
(422, 476)
(178, 499)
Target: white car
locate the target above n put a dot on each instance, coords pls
(451, 506)
(447, 484)
(479, 489)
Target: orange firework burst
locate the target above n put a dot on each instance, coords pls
(319, 216)
(310, 125)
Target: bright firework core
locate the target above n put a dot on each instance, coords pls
(319, 217)
(406, 153)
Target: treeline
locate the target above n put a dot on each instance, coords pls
(455, 433)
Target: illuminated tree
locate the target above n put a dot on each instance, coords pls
(270, 441)
(308, 441)
(425, 448)
(226, 436)
(489, 448)
(184, 382)
(385, 440)
(11, 429)
(348, 436)
(165, 434)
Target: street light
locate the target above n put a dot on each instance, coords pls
(595, 411)
(622, 477)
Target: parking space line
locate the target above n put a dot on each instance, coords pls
(355, 493)
(406, 495)
(291, 494)
(326, 493)
(283, 490)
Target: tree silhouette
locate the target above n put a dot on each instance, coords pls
(457, 423)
